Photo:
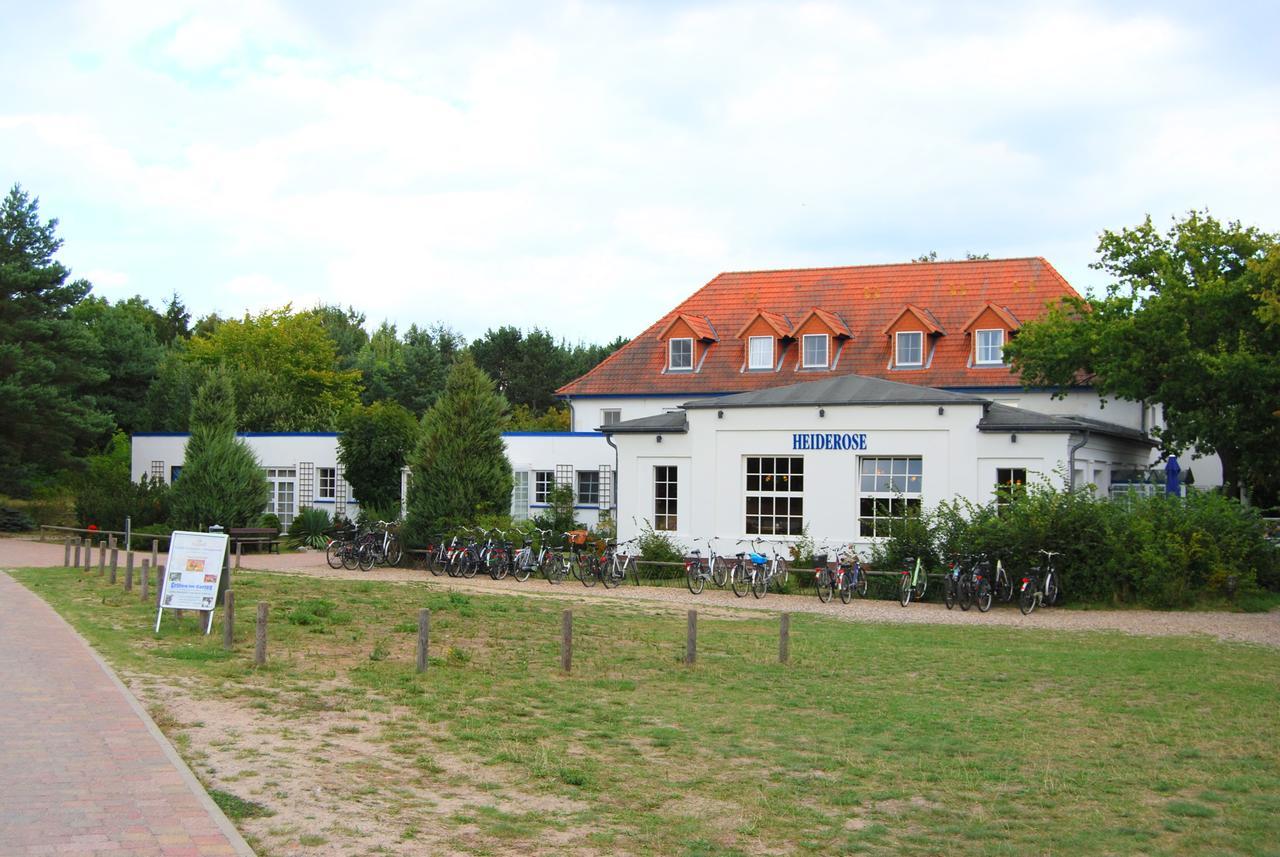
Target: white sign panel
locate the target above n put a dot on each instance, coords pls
(193, 572)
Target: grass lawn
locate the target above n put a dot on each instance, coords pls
(904, 739)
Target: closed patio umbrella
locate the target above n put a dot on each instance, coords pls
(1171, 471)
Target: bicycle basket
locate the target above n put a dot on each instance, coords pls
(578, 537)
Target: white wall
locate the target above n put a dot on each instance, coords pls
(587, 413)
(529, 452)
(957, 461)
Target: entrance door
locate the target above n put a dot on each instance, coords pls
(282, 502)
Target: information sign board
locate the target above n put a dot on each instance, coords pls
(193, 573)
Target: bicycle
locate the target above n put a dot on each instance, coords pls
(615, 563)
(527, 559)
(914, 581)
(339, 547)
(764, 570)
(1036, 592)
(697, 572)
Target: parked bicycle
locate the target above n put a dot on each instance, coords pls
(846, 577)
(914, 581)
(1040, 586)
(616, 563)
(697, 570)
(754, 572)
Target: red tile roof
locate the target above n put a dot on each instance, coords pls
(779, 323)
(699, 325)
(834, 322)
(928, 322)
(868, 297)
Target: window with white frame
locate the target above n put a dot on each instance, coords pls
(990, 347)
(910, 348)
(520, 495)
(157, 471)
(680, 354)
(1011, 483)
(610, 416)
(666, 506)
(327, 477)
(775, 495)
(589, 487)
(814, 350)
(543, 482)
(889, 490)
(760, 352)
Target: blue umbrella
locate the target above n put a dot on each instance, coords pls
(1171, 471)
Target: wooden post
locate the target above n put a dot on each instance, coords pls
(102, 558)
(128, 566)
(691, 639)
(566, 640)
(159, 584)
(78, 544)
(146, 582)
(784, 639)
(128, 575)
(228, 620)
(424, 634)
(115, 560)
(66, 554)
(260, 645)
(155, 552)
(88, 554)
(111, 542)
(239, 552)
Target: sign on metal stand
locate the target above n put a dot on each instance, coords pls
(193, 574)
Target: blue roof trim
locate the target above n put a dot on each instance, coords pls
(552, 434)
(160, 434)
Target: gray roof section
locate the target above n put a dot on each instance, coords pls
(668, 423)
(840, 390)
(1005, 418)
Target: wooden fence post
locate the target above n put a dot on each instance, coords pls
(128, 566)
(146, 582)
(78, 543)
(566, 640)
(784, 639)
(155, 552)
(66, 554)
(115, 561)
(102, 558)
(88, 554)
(691, 639)
(228, 620)
(239, 553)
(159, 584)
(128, 575)
(424, 635)
(260, 644)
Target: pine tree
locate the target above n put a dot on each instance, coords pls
(222, 481)
(460, 467)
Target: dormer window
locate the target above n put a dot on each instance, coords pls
(680, 354)
(760, 352)
(909, 348)
(815, 351)
(989, 345)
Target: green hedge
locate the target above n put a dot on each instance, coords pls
(1159, 551)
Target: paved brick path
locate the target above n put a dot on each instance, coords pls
(83, 771)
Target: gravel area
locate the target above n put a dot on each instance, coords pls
(1260, 628)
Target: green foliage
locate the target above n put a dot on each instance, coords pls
(529, 368)
(309, 528)
(373, 446)
(49, 363)
(1158, 551)
(270, 520)
(127, 352)
(460, 467)
(15, 521)
(370, 515)
(222, 481)
(409, 371)
(655, 546)
(1184, 324)
(106, 494)
(524, 418)
(283, 365)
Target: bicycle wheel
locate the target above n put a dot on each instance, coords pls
(1027, 599)
(921, 585)
(904, 591)
(781, 573)
(576, 565)
(860, 585)
(470, 564)
(611, 573)
(760, 586)
(846, 589)
(350, 556)
(693, 579)
(366, 557)
(395, 552)
(949, 591)
(590, 571)
(984, 596)
(1004, 587)
(738, 580)
(824, 585)
(964, 592)
(1051, 589)
(720, 571)
(524, 565)
(333, 554)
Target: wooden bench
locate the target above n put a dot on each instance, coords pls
(260, 537)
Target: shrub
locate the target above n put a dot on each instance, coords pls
(559, 517)
(308, 528)
(270, 520)
(654, 546)
(15, 521)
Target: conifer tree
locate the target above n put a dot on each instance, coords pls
(460, 467)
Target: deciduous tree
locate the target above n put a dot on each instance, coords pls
(374, 444)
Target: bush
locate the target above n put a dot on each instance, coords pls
(1158, 551)
(15, 521)
(270, 520)
(559, 517)
(308, 529)
(654, 546)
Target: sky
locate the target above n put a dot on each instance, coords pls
(583, 167)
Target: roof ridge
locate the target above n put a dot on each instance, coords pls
(907, 264)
